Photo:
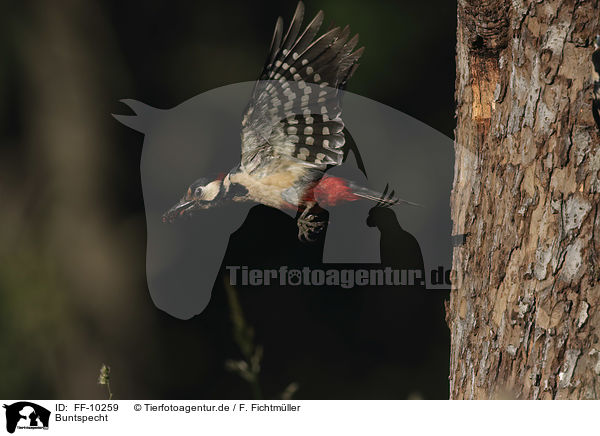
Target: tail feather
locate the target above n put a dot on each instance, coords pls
(332, 190)
(383, 199)
(386, 202)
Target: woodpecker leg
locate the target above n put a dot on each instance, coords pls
(308, 226)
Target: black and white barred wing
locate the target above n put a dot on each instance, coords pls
(295, 110)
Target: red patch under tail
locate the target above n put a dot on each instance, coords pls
(331, 191)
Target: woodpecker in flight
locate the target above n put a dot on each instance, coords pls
(292, 131)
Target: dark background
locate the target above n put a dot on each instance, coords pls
(72, 228)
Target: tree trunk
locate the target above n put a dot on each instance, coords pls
(524, 309)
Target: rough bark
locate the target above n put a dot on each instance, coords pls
(524, 312)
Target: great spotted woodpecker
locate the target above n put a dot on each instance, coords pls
(292, 131)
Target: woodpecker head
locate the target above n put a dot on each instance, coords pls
(201, 194)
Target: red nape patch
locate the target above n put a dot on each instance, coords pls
(333, 190)
(221, 176)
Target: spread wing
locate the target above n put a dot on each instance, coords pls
(295, 109)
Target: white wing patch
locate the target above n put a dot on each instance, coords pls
(295, 109)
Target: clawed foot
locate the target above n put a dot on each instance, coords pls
(309, 228)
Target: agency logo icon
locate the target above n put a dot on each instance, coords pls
(26, 415)
(291, 160)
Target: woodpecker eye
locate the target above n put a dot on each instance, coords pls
(198, 191)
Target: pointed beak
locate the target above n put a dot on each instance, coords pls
(184, 205)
